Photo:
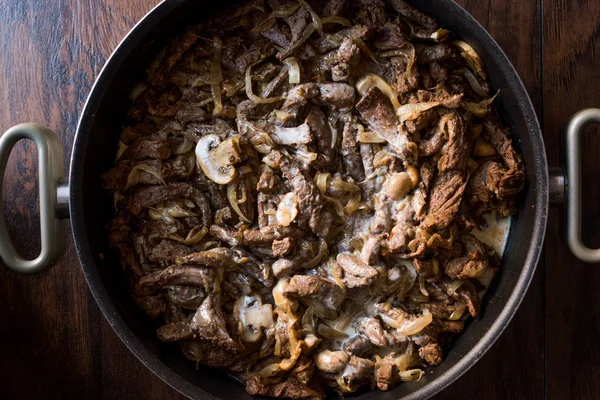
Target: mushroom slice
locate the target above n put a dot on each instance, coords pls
(252, 316)
(217, 158)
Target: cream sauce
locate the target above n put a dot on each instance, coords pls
(495, 234)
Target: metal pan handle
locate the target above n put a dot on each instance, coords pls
(50, 155)
(573, 184)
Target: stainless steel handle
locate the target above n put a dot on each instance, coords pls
(52, 228)
(573, 184)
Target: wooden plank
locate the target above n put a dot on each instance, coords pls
(54, 341)
(571, 82)
(53, 338)
(514, 367)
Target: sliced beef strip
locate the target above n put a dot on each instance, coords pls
(328, 295)
(358, 372)
(437, 52)
(331, 8)
(348, 61)
(513, 181)
(286, 390)
(180, 275)
(369, 12)
(377, 110)
(358, 345)
(188, 297)
(146, 148)
(350, 156)
(431, 353)
(387, 374)
(304, 252)
(459, 145)
(175, 332)
(209, 324)
(169, 56)
(266, 235)
(151, 196)
(411, 13)
(356, 272)
(130, 134)
(167, 251)
(446, 194)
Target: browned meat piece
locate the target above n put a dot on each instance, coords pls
(214, 356)
(288, 389)
(356, 272)
(369, 12)
(330, 8)
(210, 258)
(358, 372)
(151, 196)
(167, 251)
(231, 236)
(166, 60)
(188, 297)
(116, 178)
(463, 268)
(433, 143)
(209, 324)
(387, 374)
(413, 14)
(268, 182)
(371, 328)
(426, 119)
(348, 59)
(438, 52)
(459, 145)
(283, 247)
(358, 345)
(446, 194)
(437, 71)
(350, 156)
(153, 306)
(175, 332)
(305, 251)
(336, 95)
(180, 275)
(319, 129)
(513, 181)
(130, 134)
(323, 295)
(472, 301)
(428, 269)
(266, 235)
(431, 353)
(377, 110)
(304, 370)
(473, 248)
(390, 37)
(144, 148)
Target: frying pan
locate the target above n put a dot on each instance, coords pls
(81, 199)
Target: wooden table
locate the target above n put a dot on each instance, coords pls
(55, 343)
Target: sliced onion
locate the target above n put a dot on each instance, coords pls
(287, 210)
(440, 34)
(412, 327)
(413, 110)
(250, 93)
(192, 237)
(374, 80)
(457, 314)
(134, 175)
(331, 333)
(472, 58)
(340, 184)
(479, 109)
(474, 83)
(216, 76)
(321, 254)
(184, 147)
(233, 201)
(412, 375)
(160, 215)
(293, 68)
(365, 49)
(336, 20)
(316, 19)
(352, 204)
(121, 149)
(370, 137)
(321, 179)
(137, 91)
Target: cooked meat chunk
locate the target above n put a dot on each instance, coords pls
(377, 110)
(323, 295)
(208, 323)
(300, 188)
(356, 272)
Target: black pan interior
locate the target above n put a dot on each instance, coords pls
(91, 207)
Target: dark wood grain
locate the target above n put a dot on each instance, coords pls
(514, 367)
(571, 82)
(56, 344)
